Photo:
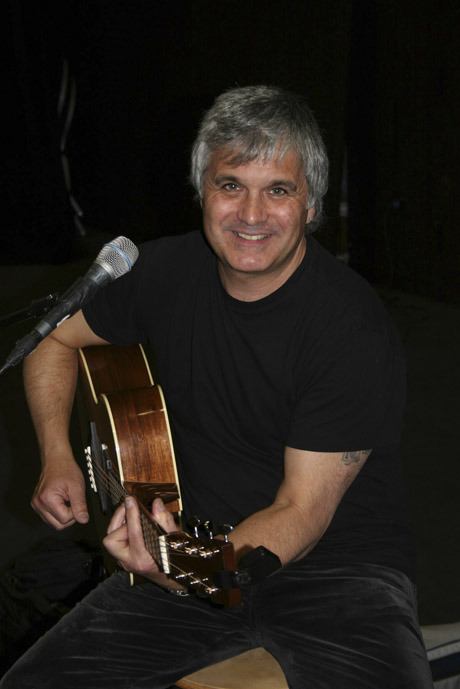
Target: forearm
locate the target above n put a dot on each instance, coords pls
(313, 485)
(283, 528)
(50, 375)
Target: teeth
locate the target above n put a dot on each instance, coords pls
(252, 237)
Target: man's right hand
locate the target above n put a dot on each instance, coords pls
(50, 376)
(59, 498)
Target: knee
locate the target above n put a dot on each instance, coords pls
(17, 677)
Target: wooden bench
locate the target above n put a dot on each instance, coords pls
(255, 669)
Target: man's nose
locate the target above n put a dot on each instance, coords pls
(252, 209)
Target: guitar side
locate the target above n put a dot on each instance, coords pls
(129, 413)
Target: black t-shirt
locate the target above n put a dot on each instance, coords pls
(316, 365)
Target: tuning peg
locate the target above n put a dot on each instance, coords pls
(208, 527)
(194, 523)
(225, 529)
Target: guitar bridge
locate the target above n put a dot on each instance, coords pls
(89, 465)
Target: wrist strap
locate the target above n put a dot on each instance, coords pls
(256, 565)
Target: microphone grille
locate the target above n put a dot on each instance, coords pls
(118, 256)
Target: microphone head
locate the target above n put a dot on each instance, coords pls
(117, 257)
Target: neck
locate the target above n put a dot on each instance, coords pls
(247, 286)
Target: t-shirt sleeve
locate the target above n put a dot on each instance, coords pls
(113, 313)
(350, 394)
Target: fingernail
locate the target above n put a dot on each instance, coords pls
(83, 517)
(129, 501)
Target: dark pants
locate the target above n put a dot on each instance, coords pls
(330, 627)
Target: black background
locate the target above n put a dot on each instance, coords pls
(381, 76)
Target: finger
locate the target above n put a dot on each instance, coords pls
(74, 489)
(53, 510)
(78, 505)
(162, 516)
(118, 519)
(63, 498)
(117, 537)
(116, 543)
(135, 532)
(133, 520)
(48, 518)
(126, 543)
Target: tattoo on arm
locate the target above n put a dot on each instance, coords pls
(354, 456)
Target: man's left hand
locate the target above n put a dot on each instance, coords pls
(125, 540)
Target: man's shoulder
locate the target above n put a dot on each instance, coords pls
(175, 246)
(335, 276)
(339, 290)
(170, 259)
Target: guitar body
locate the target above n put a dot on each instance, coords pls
(129, 413)
(130, 451)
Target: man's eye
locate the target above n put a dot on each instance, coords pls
(230, 186)
(278, 191)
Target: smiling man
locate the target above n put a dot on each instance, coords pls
(254, 218)
(285, 386)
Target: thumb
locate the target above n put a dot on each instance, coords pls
(161, 515)
(79, 507)
(81, 514)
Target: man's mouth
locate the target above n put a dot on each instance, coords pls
(251, 237)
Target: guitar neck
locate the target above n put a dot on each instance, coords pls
(152, 533)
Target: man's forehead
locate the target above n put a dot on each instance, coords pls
(235, 156)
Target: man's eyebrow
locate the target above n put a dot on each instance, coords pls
(284, 183)
(226, 178)
(289, 184)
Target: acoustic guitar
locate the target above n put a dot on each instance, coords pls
(130, 452)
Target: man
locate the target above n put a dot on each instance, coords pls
(285, 387)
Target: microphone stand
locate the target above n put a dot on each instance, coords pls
(36, 308)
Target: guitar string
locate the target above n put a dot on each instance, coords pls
(118, 491)
(148, 526)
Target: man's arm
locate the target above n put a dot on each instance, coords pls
(313, 485)
(50, 375)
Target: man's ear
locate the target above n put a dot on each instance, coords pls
(311, 212)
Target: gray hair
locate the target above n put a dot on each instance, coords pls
(259, 123)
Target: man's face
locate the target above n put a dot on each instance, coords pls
(254, 217)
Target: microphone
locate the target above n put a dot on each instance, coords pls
(114, 260)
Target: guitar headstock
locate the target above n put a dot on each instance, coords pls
(203, 565)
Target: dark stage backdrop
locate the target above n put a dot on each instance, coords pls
(144, 73)
(417, 245)
(381, 77)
